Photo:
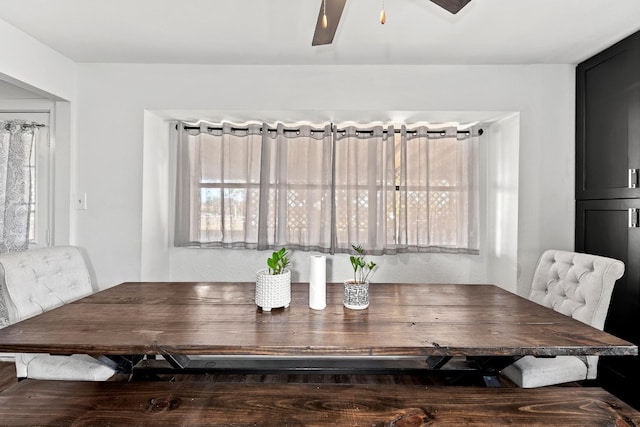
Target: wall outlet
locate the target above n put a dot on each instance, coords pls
(80, 201)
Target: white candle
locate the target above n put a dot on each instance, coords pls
(318, 282)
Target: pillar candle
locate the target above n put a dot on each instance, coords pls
(318, 282)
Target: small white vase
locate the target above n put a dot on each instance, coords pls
(356, 295)
(273, 290)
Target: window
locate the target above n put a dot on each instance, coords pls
(325, 188)
(228, 184)
(439, 190)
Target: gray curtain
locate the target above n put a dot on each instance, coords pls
(325, 189)
(438, 190)
(16, 144)
(296, 203)
(218, 185)
(273, 185)
(365, 189)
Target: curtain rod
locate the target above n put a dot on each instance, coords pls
(440, 132)
(27, 125)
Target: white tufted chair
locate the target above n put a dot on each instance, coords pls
(38, 280)
(576, 285)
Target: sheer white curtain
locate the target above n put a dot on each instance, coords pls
(218, 185)
(438, 190)
(16, 144)
(365, 189)
(296, 203)
(253, 186)
(326, 188)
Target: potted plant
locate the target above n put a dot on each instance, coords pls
(273, 284)
(356, 290)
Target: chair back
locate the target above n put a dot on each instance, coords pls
(576, 285)
(38, 280)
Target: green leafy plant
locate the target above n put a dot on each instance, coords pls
(278, 262)
(361, 269)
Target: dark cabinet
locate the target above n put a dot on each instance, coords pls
(608, 192)
(608, 123)
(603, 228)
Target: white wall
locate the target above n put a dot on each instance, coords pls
(115, 146)
(29, 64)
(155, 233)
(502, 177)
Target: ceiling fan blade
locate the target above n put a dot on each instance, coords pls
(452, 6)
(334, 12)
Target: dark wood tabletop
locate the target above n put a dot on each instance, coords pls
(222, 319)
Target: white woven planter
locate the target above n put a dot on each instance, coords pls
(273, 290)
(356, 295)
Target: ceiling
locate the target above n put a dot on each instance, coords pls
(280, 31)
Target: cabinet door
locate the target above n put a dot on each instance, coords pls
(602, 228)
(608, 123)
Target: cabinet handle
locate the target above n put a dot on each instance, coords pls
(633, 218)
(633, 178)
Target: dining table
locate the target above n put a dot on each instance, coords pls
(184, 323)
(200, 327)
